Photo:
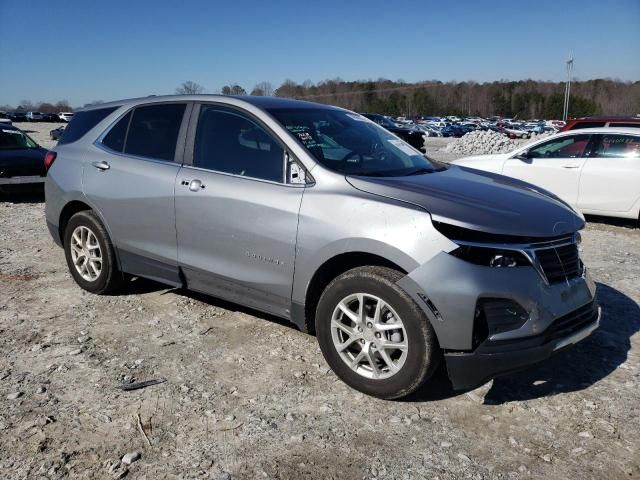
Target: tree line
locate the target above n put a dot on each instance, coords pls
(522, 99)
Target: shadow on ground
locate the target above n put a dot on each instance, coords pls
(572, 369)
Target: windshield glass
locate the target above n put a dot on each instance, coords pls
(351, 144)
(15, 139)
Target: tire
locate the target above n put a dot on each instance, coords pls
(109, 279)
(422, 354)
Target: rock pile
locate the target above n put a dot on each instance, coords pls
(487, 142)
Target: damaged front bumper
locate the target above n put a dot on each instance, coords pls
(450, 291)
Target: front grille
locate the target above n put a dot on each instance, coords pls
(572, 322)
(560, 263)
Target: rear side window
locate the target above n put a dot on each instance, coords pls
(82, 122)
(618, 146)
(153, 131)
(117, 135)
(587, 125)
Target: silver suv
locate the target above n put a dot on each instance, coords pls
(315, 214)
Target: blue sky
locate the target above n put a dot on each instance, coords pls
(83, 50)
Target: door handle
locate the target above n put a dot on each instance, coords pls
(101, 165)
(195, 185)
(570, 165)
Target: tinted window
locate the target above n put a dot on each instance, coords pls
(618, 146)
(587, 125)
(153, 131)
(628, 125)
(116, 136)
(563, 147)
(229, 142)
(82, 122)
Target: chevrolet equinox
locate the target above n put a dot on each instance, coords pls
(316, 214)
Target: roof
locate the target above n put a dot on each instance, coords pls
(260, 102)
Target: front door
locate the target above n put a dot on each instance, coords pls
(554, 165)
(236, 217)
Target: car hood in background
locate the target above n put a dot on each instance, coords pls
(480, 201)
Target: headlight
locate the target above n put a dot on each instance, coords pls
(491, 257)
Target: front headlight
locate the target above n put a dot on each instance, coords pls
(490, 257)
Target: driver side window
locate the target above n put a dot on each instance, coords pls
(227, 141)
(564, 147)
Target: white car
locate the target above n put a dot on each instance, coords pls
(596, 170)
(65, 116)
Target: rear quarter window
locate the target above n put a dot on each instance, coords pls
(82, 122)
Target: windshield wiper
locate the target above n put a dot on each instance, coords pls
(420, 171)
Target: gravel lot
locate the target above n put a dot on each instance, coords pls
(248, 396)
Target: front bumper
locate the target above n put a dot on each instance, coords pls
(449, 289)
(492, 359)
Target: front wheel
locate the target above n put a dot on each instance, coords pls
(373, 335)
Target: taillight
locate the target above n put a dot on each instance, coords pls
(48, 160)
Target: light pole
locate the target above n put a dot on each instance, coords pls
(567, 90)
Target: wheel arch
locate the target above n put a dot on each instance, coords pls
(326, 272)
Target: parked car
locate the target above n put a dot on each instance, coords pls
(4, 119)
(21, 158)
(317, 215)
(34, 117)
(515, 132)
(65, 116)
(598, 122)
(56, 133)
(50, 117)
(17, 116)
(597, 170)
(411, 136)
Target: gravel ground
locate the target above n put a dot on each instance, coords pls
(247, 396)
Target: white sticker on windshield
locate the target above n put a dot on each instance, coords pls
(404, 147)
(15, 132)
(357, 117)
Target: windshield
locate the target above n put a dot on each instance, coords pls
(14, 140)
(351, 144)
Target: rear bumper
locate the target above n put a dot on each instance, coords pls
(491, 359)
(21, 180)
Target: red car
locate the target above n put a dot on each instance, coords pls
(597, 122)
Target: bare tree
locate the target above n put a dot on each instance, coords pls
(263, 89)
(189, 88)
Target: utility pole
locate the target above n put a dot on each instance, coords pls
(567, 89)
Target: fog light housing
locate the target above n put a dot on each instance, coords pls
(501, 315)
(501, 261)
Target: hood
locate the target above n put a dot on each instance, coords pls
(489, 163)
(480, 201)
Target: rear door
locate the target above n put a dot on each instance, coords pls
(236, 217)
(131, 179)
(610, 180)
(554, 165)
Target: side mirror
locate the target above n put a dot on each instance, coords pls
(524, 156)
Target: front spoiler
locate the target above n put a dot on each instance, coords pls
(470, 370)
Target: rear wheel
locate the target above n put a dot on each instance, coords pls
(373, 335)
(90, 254)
